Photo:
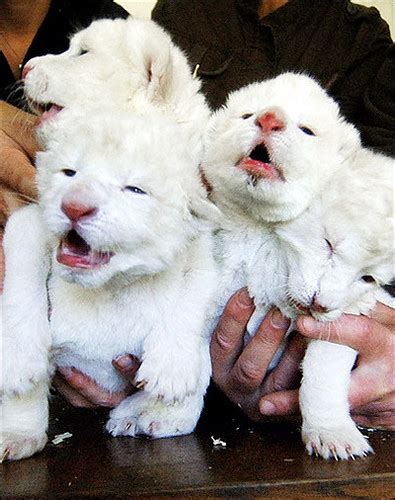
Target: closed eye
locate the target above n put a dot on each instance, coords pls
(330, 246)
(246, 116)
(306, 130)
(135, 189)
(83, 52)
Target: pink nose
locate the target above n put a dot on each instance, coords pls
(269, 122)
(76, 211)
(25, 71)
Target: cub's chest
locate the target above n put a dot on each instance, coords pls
(95, 323)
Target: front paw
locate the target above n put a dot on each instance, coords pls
(342, 441)
(15, 446)
(139, 414)
(168, 378)
(22, 372)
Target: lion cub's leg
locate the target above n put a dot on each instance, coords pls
(328, 430)
(24, 422)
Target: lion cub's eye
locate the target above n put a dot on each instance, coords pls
(69, 172)
(306, 130)
(83, 52)
(135, 189)
(368, 279)
(247, 115)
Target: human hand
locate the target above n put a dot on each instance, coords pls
(83, 392)
(18, 148)
(20, 126)
(241, 372)
(372, 387)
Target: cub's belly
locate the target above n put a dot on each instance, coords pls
(91, 346)
(99, 370)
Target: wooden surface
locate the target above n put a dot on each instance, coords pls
(259, 460)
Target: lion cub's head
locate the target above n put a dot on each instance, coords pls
(119, 195)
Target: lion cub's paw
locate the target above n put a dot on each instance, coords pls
(168, 380)
(15, 446)
(140, 414)
(340, 442)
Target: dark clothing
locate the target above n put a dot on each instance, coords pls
(64, 18)
(341, 44)
(379, 108)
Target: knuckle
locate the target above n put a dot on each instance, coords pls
(276, 385)
(247, 373)
(223, 340)
(269, 339)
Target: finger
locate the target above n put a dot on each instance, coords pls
(385, 422)
(227, 340)
(250, 368)
(384, 315)
(287, 373)
(90, 390)
(127, 365)
(384, 406)
(17, 172)
(359, 332)
(371, 382)
(70, 394)
(20, 126)
(280, 403)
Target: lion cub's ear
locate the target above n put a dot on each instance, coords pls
(149, 49)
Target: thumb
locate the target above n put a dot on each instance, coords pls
(127, 365)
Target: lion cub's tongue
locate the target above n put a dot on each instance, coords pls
(74, 251)
(259, 169)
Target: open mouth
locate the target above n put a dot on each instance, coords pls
(74, 251)
(258, 165)
(45, 111)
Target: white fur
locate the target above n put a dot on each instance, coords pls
(303, 227)
(150, 299)
(130, 63)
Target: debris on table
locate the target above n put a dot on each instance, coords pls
(59, 438)
(218, 443)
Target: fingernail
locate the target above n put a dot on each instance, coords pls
(309, 324)
(267, 408)
(125, 362)
(278, 320)
(243, 299)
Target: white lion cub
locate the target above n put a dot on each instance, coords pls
(309, 229)
(131, 272)
(126, 62)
